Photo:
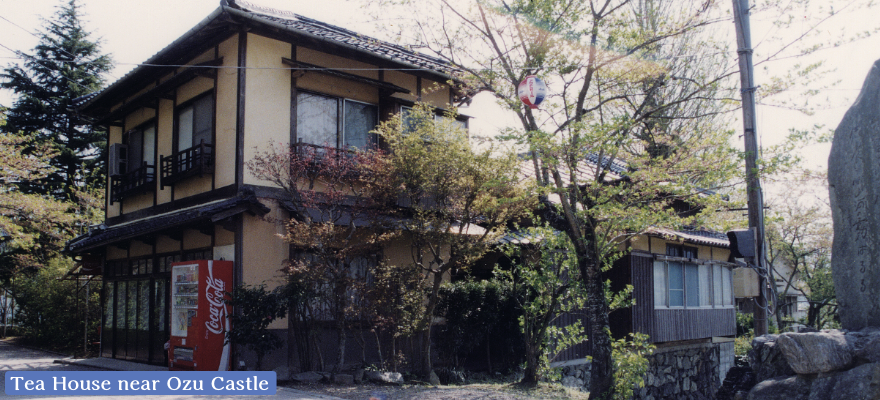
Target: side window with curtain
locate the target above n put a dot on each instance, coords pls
(195, 123)
(328, 121)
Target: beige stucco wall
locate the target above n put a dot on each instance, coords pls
(115, 253)
(435, 93)
(339, 87)
(138, 249)
(193, 186)
(658, 246)
(346, 65)
(226, 115)
(193, 239)
(267, 108)
(263, 253)
(405, 81)
(165, 135)
(194, 88)
(165, 244)
(222, 237)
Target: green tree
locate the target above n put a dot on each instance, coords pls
(64, 66)
(628, 137)
(31, 262)
(457, 202)
(799, 239)
(547, 276)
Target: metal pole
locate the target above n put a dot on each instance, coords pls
(753, 182)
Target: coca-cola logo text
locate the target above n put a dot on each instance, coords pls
(215, 292)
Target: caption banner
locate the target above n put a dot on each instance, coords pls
(130, 383)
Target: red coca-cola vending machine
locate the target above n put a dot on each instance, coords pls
(199, 315)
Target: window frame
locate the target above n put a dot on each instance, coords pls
(126, 140)
(713, 270)
(179, 109)
(340, 119)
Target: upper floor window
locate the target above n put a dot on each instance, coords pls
(406, 111)
(133, 163)
(681, 283)
(195, 122)
(141, 144)
(194, 153)
(334, 122)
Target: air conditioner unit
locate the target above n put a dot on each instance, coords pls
(118, 163)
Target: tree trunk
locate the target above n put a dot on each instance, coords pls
(601, 377)
(340, 349)
(425, 352)
(530, 375)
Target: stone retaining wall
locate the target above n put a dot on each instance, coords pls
(692, 371)
(685, 372)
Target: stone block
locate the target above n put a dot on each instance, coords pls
(282, 373)
(307, 377)
(859, 383)
(766, 359)
(815, 352)
(865, 344)
(343, 379)
(781, 388)
(384, 377)
(853, 171)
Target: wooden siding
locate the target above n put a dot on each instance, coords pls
(684, 324)
(580, 350)
(643, 293)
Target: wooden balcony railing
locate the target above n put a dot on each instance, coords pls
(196, 160)
(134, 182)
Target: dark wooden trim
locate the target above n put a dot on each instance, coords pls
(385, 86)
(216, 194)
(293, 94)
(240, 110)
(160, 90)
(418, 88)
(216, 78)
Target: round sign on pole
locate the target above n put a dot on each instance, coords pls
(532, 91)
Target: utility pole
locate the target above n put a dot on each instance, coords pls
(753, 182)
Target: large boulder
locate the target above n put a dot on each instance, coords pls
(815, 352)
(853, 173)
(384, 377)
(307, 377)
(766, 359)
(859, 383)
(865, 344)
(781, 388)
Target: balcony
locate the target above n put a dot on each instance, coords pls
(131, 183)
(194, 161)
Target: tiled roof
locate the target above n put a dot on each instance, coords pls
(102, 236)
(341, 35)
(701, 236)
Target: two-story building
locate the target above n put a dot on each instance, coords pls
(183, 124)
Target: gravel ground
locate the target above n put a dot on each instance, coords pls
(425, 392)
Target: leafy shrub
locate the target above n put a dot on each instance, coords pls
(479, 314)
(630, 358)
(256, 308)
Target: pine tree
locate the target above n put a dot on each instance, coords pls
(65, 65)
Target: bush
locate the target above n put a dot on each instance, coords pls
(50, 311)
(479, 314)
(256, 309)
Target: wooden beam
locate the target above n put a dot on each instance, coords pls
(161, 90)
(339, 74)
